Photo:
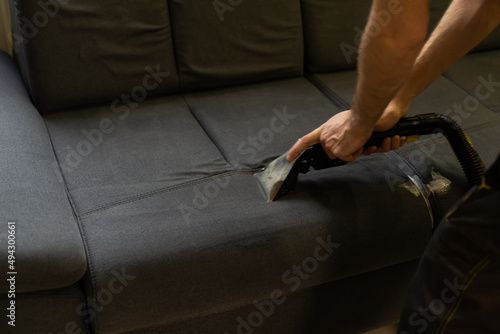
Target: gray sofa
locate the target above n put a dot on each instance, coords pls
(129, 133)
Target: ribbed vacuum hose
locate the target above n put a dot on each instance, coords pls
(470, 161)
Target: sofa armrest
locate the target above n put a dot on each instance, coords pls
(49, 251)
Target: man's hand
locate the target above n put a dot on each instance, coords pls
(342, 136)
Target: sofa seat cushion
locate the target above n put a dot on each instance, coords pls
(217, 244)
(161, 208)
(110, 155)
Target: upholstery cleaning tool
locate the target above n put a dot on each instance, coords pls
(280, 176)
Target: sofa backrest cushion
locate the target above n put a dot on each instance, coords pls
(332, 33)
(333, 30)
(227, 42)
(74, 53)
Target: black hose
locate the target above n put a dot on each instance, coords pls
(470, 161)
(426, 124)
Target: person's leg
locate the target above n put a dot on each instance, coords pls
(456, 288)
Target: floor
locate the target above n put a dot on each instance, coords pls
(386, 330)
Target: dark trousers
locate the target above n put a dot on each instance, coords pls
(456, 288)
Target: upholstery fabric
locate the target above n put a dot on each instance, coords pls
(79, 53)
(198, 245)
(220, 43)
(139, 173)
(200, 237)
(333, 47)
(49, 249)
(479, 75)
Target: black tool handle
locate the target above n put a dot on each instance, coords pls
(407, 126)
(315, 156)
(424, 124)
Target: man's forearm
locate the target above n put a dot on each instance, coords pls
(387, 55)
(464, 25)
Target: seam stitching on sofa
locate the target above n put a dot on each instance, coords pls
(303, 40)
(91, 273)
(64, 182)
(90, 270)
(81, 228)
(328, 93)
(162, 190)
(462, 88)
(480, 126)
(207, 133)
